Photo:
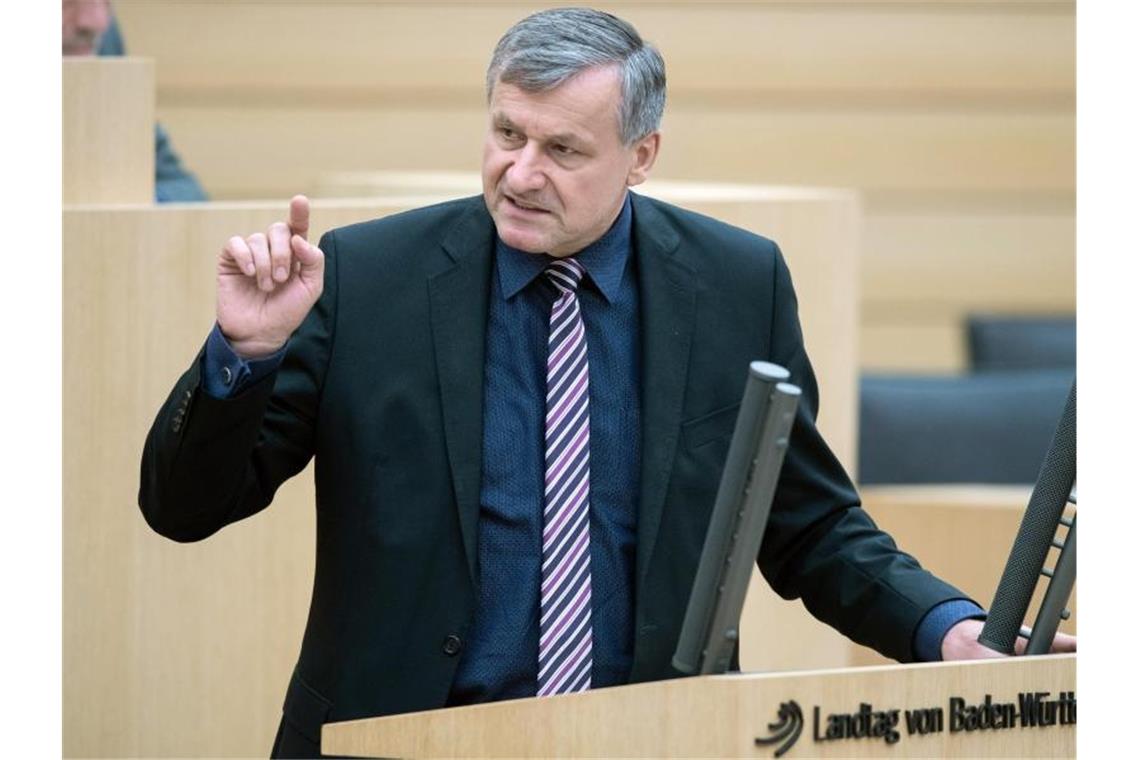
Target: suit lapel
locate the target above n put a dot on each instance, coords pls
(668, 311)
(459, 297)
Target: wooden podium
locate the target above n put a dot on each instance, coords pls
(1017, 707)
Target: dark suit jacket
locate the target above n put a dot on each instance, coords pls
(383, 384)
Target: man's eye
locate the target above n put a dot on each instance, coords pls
(563, 150)
(508, 133)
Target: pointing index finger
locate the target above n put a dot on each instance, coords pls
(299, 216)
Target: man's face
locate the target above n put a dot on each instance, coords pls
(554, 167)
(84, 22)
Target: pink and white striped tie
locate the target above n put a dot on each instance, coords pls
(565, 633)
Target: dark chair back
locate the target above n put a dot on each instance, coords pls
(981, 428)
(1018, 343)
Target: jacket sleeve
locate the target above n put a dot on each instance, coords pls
(820, 545)
(209, 462)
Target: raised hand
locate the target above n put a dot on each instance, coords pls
(267, 283)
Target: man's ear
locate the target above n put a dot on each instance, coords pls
(644, 155)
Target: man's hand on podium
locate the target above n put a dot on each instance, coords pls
(268, 282)
(961, 643)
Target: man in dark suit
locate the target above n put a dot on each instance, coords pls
(520, 407)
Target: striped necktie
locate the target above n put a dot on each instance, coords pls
(565, 632)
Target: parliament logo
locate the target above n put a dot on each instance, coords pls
(1033, 710)
(787, 728)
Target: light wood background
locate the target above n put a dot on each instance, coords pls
(955, 120)
(108, 131)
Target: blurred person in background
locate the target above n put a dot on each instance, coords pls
(90, 28)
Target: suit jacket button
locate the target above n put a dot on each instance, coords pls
(451, 645)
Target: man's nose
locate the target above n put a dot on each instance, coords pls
(94, 16)
(527, 174)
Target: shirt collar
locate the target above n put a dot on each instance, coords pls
(604, 260)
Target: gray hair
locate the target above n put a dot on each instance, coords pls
(549, 47)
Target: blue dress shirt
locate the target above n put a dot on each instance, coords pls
(935, 625)
(500, 657)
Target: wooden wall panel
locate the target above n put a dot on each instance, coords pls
(906, 342)
(970, 259)
(925, 271)
(871, 149)
(347, 49)
(108, 132)
(271, 151)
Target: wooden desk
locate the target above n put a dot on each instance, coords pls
(721, 716)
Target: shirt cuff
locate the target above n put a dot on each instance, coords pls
(933, 628)
(225, 374)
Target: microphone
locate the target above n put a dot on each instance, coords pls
(710, 631)
(1055, 487)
